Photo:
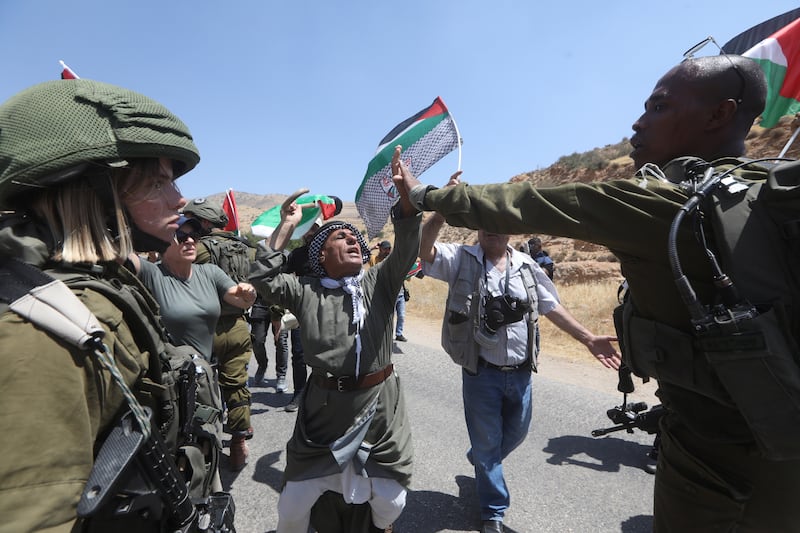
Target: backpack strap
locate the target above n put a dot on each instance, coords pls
(48, 303)
(529, 281)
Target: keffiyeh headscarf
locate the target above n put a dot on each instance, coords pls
(350, 284)
(318, 241)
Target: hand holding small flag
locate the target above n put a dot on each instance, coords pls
(291, 214)
(315, 207)
(427, 137)
(289, 206)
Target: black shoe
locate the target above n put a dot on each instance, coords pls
(292, 405)
(400, 338)
(258, 379)
(492, 526)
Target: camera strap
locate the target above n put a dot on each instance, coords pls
(508, 275)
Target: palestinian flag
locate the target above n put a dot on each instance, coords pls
(425, 137)
(777, 50)
(67, 73)
(416, 268)
(326, 207)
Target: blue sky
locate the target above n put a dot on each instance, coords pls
(280, 95)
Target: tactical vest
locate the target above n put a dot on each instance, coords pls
(751, 364)
(233, 256)
(462, 313)
(180, 394)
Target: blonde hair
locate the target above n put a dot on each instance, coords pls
(79, 214)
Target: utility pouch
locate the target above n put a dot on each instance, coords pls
(668, 354)
(757, 367)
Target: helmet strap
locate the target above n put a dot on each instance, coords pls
(144, 242)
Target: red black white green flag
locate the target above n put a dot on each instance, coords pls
(775, 45)
(326, 207)
(426, 138)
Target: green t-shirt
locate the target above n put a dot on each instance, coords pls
(190, 308)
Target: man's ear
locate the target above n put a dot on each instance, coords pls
(723, 114)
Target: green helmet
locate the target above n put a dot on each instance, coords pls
(49, 130)
(200, 208)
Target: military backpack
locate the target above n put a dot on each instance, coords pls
(748, 336)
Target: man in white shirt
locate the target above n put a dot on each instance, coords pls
(490, 328)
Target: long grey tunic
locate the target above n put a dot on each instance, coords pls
(329, 341)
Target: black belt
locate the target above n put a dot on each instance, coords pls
(350, 383)
(526, 364)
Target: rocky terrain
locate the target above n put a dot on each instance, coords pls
(577, 261)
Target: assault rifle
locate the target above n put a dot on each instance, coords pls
(630, 416)
(140, 477)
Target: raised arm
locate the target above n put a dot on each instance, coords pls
(291, 214)
(400, 174)
(599, 345)
(432, 227)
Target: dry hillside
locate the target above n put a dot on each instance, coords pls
(577, 261)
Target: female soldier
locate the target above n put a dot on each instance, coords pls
(87, 176)
(190, 296)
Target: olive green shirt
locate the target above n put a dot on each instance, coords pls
(632, 218)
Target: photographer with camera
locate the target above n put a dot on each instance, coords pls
(490, 328)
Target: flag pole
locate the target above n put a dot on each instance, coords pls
(789, 142)
(234, 209)
(458, 137)
(65, 68)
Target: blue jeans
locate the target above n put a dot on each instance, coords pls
(400, 312)
(497, 408)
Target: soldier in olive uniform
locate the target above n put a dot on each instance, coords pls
(714, 472)
(87, 174)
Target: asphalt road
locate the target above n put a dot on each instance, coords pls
(561, 478)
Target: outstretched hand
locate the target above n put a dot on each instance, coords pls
(602, 348)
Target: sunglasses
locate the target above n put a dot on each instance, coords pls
(696, 48)
(182, 236)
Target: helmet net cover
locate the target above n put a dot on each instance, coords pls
(201, 208)
(52, 127)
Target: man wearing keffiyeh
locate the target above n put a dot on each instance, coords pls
(352, 442)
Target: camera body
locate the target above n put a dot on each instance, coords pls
(498, 311)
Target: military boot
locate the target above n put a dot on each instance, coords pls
(238, 452)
